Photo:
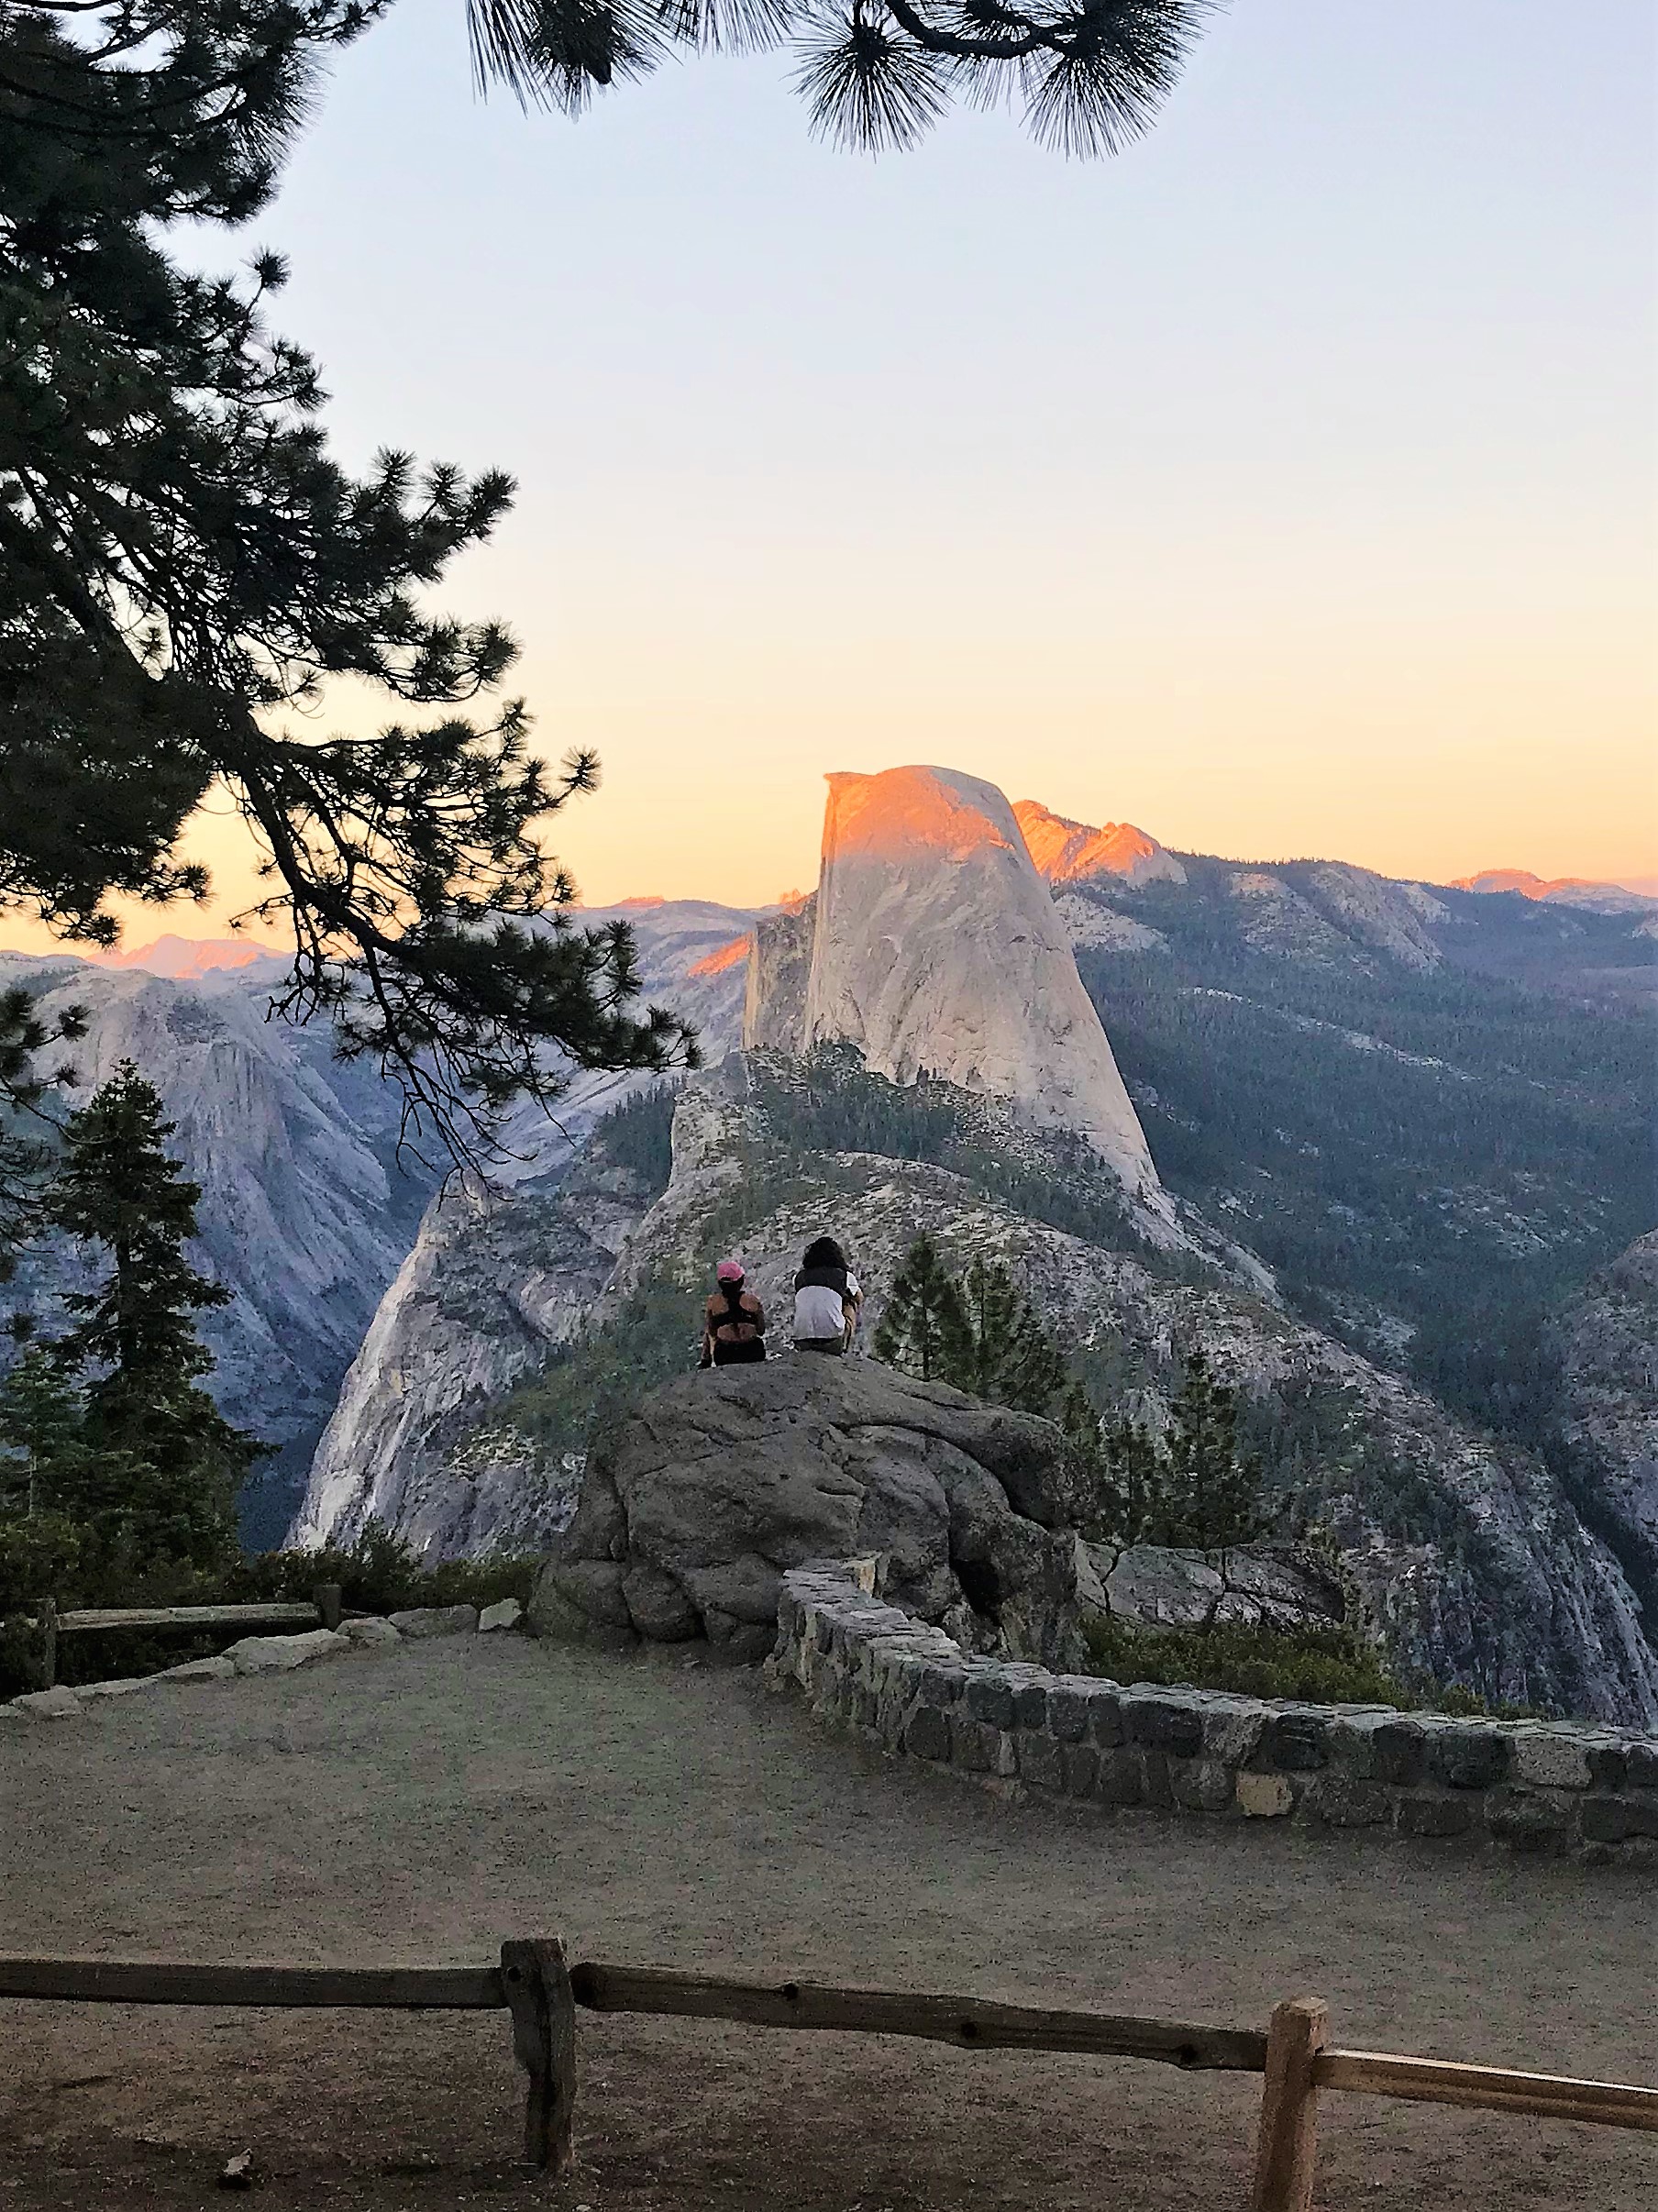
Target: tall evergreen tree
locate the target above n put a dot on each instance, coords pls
(181, 560)
(1190, 1487)
(42, 1451)
(1215, 1488)
(924, 1329)
(165, 1463)
(1010, 1358)
(1121, 1474)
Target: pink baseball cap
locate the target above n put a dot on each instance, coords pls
(729, 1271)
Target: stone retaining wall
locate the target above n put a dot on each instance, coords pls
(1538, 1786)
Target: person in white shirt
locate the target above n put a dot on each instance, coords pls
(827, 1300)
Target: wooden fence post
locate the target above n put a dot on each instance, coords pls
(330, 1601)
(537, 1984)
(1287, 2146)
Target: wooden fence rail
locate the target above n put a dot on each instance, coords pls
(541, 1992)
(324, 1610)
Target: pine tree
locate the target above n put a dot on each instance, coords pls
(1215, 1492)
(164, 1466)
(1122, 1476)
(924, 1329)
(180, 559)
(1190, 1487)
(1089, 74)
(1010, 1359)
(40, 1431)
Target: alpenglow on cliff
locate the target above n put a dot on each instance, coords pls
(933, 945)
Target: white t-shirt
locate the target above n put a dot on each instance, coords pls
(819, 1313)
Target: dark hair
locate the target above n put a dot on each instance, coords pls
(823, 1252)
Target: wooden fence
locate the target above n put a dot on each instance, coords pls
(542, 1994)
(324, 1610)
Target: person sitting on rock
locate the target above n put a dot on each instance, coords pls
(734, 1321)
(827, 1300)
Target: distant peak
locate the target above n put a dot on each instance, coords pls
(183, 959)
(908, 810)
(640, 904)
(1559, 891)
(1522, 880)
(1073, 851)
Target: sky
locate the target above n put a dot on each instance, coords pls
(1284, 485)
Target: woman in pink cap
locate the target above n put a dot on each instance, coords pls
(734, 1321)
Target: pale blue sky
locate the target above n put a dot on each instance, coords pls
(1284, 485)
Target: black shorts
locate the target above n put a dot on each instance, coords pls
(738, 1355)
(835, 1345)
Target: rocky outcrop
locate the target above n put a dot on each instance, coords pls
(1471, 1560)
(1284, 1587)
(779, 964)
(1606, 1343)
(692, 1514)
(496, 1279)
(1072, 852)
(937, 950)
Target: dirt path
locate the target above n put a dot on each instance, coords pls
(421, 1806)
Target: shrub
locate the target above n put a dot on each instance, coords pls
(1332, 1666)
(382, 1573)
(1314, 1666)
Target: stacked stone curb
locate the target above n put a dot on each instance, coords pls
(275, 1655)
(1549, 1786)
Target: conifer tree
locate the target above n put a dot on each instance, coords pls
(1215, 1489)
(1010, 1359)
(1121, 1474)
(1191, 1487)
(924, 1329)
(165, 1465)
(42, 1451)
(181, 560)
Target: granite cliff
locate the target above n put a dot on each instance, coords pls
(935, 949)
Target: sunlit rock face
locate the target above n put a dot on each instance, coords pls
(1072, 852)
(937, 950)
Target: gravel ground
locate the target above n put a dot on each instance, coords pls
(418, 1807)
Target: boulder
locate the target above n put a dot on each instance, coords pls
(219, 1669)
(505, 1613)
(436, 1620)
(691, 1513)
(281, 1655)
(1154, 1588)
(369, 1634)
(58, 1704)
(1267, 1585)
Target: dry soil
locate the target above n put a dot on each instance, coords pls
(420, 1807)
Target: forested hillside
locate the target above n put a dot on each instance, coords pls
(1428, 1151)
